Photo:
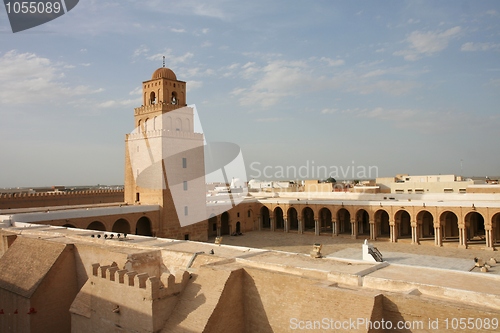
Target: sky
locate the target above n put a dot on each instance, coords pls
(349, 89)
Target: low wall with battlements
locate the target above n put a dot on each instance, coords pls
(48, 199)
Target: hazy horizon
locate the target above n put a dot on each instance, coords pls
(411, 87)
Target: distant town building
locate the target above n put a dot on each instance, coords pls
(424, 184)
(281, 186)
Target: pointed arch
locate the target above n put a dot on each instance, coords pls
(293, 218)
(403, 221)
(279, 222)
(363, 221)
(344, 221)
(382, 221)
(325, 220)
(224, 227)
(265, 218)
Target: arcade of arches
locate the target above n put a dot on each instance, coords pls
(142, 226)
(463, 226)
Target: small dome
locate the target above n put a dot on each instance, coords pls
(164, 72)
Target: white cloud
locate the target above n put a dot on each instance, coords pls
(327, 111)
(397, 115)
(170, 58)
(391, 87)
(376, 72)
(137, 91)
(427, 43)
(248, 64)
(143, 49)
(492, 12)
(190, 85)
(26, 78)
(197, 71)
(178, 30)
(125, 103)
(214, 9)
(230, 70)
(471, 46)
(278, 80)
(333, 62)
(494, 83)
(424, 121)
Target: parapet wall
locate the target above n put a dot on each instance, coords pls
(127, 298)
(47, 199)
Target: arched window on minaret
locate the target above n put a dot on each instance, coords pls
(173, 100)
(152, 98)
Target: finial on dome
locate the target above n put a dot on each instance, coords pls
(163, 61)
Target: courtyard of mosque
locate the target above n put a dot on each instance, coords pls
(449, 256)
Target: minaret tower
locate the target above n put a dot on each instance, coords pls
(164, 159)
(161, 94)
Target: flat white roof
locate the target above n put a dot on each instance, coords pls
(49, 215)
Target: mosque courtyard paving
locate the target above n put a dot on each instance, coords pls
(344, 248)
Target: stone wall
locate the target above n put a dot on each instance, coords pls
(276, 302)
(48, 199)
(433, 315)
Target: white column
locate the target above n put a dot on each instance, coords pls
(354, 229)
(462, 234)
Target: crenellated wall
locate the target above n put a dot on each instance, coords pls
(47, 199)
(114, 297)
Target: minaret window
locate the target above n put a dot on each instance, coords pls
(152, 98)
(174, 98)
